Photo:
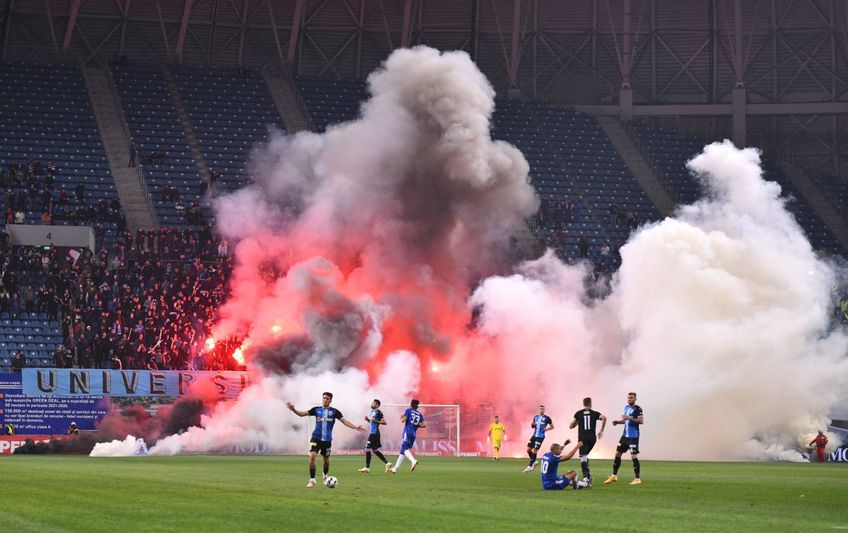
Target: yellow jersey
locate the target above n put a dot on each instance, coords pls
(497, 430)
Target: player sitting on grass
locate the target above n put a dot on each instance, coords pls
(412, 420)
(550, 463)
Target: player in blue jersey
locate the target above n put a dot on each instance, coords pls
(550, 464)
(541, 423)
(375, 419)
(412, 420)
(322, 436)
(632, 419)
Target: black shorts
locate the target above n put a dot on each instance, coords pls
(535, 442)
(373, 442)
(630, 444)
(588, 444)
(321, 446)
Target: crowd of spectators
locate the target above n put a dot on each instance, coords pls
(145, 303)
(32, 186)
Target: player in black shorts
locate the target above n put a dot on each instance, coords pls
(541, 423)
(586, 422)
(375, 419)
(632, 418)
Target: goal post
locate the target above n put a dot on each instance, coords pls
(440, 437)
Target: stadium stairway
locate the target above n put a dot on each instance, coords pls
(632, 157)
(231, 111)
(182, 112)
(820, 204)
(132, 192)
(287, 99)
(155, 124)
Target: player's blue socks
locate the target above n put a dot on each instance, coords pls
(636, 467)
(615, 465)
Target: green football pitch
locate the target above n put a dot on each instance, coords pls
(214, 493)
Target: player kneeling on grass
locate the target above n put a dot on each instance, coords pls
(550, 464)
(412, 420)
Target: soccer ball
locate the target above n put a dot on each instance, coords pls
(331, 482)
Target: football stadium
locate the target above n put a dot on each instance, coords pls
(423, 265)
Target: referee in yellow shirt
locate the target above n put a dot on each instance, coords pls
(497, 433)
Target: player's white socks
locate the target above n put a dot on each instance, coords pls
(409, 456)
(399, 461)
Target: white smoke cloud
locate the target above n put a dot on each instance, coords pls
(259, 418)
(718, 318)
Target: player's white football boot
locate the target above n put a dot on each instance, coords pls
(414, 464)
(311, 483)
(533, 466)
(582, 484)
(391, 470)
(365, 470)
(527, 469)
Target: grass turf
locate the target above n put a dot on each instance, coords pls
(213, 493)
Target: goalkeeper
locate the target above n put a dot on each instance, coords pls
(497, 434)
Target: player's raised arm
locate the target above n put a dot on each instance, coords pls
(351, 425)
(295, 411)
(568, 455)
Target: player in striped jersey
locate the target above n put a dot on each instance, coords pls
(322, 436)
(375, 419)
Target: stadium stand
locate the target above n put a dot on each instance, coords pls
(230, 110)
(52, 165)
(330, 101)
(169, 168)
(27, 305)
(835, 189)
(667, 151)
(144, 303)
(53, 170)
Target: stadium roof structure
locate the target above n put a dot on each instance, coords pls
(773, 73)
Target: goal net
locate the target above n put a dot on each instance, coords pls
(440, 437)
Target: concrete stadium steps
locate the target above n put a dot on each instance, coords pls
(182, 112)
(632, 157)
(286, 97)
(135, 200)
(820, 204)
